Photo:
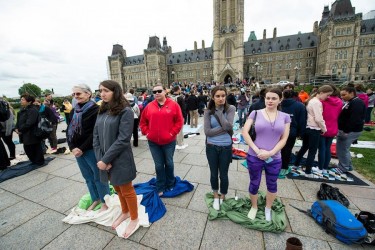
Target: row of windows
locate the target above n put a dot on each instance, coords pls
(343, 43)
(367, 41)
(343, 31)
(342, 54)
(370, 67)
(371, 53)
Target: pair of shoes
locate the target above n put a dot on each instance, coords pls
(216, 204)
(317, 170)
(132, 232)
(182, 146)
(312, 176)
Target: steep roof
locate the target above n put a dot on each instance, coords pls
(188, 56)
(368, 26)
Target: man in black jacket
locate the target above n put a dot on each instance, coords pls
(193, 105)
(351, 121)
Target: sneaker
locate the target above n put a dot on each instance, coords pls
(216, 204)
(311, 176)
(316, 170)
(185, 146)
(179, 147)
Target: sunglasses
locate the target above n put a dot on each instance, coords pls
(76, 94)
(157, 91)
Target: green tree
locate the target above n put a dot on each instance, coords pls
(31, 89)
(47, 91)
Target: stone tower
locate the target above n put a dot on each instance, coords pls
(228, 44)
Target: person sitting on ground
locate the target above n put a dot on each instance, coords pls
(112, 134)
(80, 141)
(272, 131)
(27, 123)
(218, 122)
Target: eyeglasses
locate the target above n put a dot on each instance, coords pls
(76, 94)
(157, 91)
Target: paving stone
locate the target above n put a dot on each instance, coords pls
(5, 183)
(342, 246)
(217, 236)
(57, 164)
(196, 159)
(190, 142)
(181, 170)
(137, 236)
(166, 233)
(66, 198)
(146, 166)
(308, 189)
(179, 155)
(81, 237)
(8, 199)
(355, 191)
(199, 174)
(196, 149)
(197, 202)
(241, 168)
(182, 200)
(78, 177)
(141, 178)
(19, 185)
(139, 151)
(233, 166)
(286, 188)
(201, 142)
(137, 160)
(303, 224)
(238, 180)
(364, 204)
(35, 233)
(118, 243)
(18, 214)
(67, 171)
(46, 189)
(278, 241)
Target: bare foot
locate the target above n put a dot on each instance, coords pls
(119, 220)
(93, 205)
(103, 208)
(131, 228)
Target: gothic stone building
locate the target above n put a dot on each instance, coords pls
(342, 45)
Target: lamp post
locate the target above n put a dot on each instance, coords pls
(296, 77)
(256, 71)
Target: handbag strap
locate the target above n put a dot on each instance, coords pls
(218, 120)
(255, 117)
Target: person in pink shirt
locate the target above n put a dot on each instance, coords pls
(331, 110)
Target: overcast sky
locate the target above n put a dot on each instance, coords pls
(56, 44)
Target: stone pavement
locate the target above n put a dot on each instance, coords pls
(33, 205)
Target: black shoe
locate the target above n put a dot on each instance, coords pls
(63, 131)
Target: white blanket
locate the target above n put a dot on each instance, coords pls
(107, 217)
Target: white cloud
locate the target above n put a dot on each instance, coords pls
(56, 44)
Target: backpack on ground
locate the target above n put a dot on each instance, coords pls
(44, 127)
(368, 220)
(338, 221)
(327, 192)
(4, 111)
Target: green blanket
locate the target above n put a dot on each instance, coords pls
(237, 210)
(86, 201)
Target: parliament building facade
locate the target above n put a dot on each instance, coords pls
(341, 45)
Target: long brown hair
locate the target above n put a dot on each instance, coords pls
(118, 102)
(211, 104)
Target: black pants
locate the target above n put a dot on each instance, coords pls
(4, 160)
(311, 143)
(135, 132)
(286, 151)
(35, 153)
(9, 142)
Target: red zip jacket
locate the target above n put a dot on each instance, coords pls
(161, 124)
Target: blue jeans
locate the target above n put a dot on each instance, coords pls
(310, 142)
(344, 140)
(90, 171)
(242, 116)
(324, 153)
(219, 158)
(164, 166)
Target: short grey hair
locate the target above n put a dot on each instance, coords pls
(83, 87)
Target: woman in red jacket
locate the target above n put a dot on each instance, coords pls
(161, 121)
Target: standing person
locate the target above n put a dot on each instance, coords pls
(161, 121)
(66, 108)
(202, 100)
(331, 110)
(218, 122)
(272, 131)
(6, 132)
(49, 98)
(260, 103)
(51, 111)
(176, 96)
(297, 113)
(303, 96)
(187, 114)
(359, 89)
(371, 101)
(80, 142)
(134, 107)
(27, 122)
(315, 126)
(192, 105)
(242, 103)
(351, 121)
(112, 134)
(231, 99)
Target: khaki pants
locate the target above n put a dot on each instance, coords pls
(180, 137)
(193, 118)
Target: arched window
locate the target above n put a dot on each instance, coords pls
(281, 47)
(259, 50)
(344, 68)
(228, 49)
(334, 69)
(287, 47)
(370, 67)
(357, 67)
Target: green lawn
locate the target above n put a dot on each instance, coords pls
(366, 165)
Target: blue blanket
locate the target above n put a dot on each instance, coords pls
(151, 200)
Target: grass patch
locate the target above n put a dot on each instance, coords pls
(366, 165)
(367, 135)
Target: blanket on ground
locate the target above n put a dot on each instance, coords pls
(236, 210)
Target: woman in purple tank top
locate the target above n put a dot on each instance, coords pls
(272, 129)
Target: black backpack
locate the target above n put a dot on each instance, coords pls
(327, 192)
(4, 111)
(44, 127)
(368, 220)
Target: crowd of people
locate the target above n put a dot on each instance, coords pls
(99, 133)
